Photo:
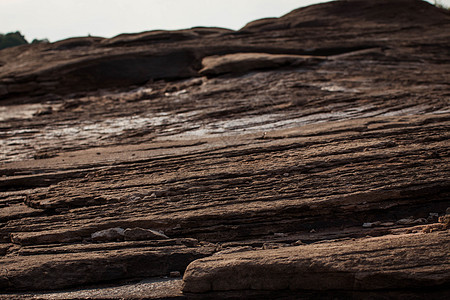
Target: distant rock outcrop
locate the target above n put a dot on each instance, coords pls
(89, 63)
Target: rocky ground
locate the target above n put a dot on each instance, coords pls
(300, 157)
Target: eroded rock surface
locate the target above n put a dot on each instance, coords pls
(90, 63)
(330, 123)
(245, 62)
(404, 262)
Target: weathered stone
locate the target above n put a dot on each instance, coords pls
(109, 235)
(244, 62)
(368, 225)
(254, 160)
(72, 43)
(149, 288)
(50, 237)
(343, 14)
(134, 59)
(150, 37)
(387, 224)
(404, 262)
(234, 250)
(445, 220)
(139, 234)
(17, 211)
(70, 267)
(406, 221)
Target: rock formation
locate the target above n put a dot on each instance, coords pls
(300, 157)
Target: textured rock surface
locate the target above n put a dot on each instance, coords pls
(412, 261)
(137, 234)
(47, 268)
(89, 63)
(244, 62)
(109, 235)
(253, 159)
(159, 288)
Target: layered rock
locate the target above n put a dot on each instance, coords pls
(245, 62)
(401, 262)
(61, 267)
(89, 63)
(284, 138)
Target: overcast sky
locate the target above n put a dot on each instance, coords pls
(60, 19)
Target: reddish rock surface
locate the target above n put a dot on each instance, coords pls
(359, 265)
(325, 130)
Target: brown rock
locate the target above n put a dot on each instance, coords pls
(134, 59)
(362, 135)
(401, 262)
(150, 37)
(445, 220)
(49, 237)
(139, 234)
(407, 221)
(350, 13)
(77, 42)
(244, 62)
(71, 267)
(17, 211)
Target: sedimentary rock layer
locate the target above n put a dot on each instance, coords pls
(271, 149)
(399, 262)
(88, 63)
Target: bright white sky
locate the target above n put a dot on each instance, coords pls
(60, 19)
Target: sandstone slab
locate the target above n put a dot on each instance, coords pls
(244, 62)
(390, 262)
(71, 267)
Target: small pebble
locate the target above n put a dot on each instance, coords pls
(367, 225)
(279, 234)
